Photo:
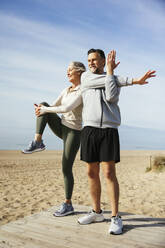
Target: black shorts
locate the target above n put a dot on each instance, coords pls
(99, 144)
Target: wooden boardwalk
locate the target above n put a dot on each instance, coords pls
(43, 230)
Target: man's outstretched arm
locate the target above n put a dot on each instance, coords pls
(111, 65)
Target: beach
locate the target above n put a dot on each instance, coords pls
(34, 182)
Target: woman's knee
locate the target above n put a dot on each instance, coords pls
(67, 169)
(45, 104)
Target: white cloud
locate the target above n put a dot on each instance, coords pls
(35, 55)
(152, 16)
(51, 35)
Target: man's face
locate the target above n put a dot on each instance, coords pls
(96, 63)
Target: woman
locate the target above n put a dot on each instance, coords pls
(68, 127)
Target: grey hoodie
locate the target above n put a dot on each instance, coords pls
(100, 94)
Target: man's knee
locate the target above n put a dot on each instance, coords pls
(92, 173)
(110, 174)
(93, 170)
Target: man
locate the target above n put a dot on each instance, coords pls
(99, 138)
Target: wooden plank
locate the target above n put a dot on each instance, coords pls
(63, 227)
(43, 230)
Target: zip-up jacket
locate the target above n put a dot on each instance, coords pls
(100, 94)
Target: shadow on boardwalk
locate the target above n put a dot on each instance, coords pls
(138, 220)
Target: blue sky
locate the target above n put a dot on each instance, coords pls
(40, 37)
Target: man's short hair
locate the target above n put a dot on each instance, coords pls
(99, 51)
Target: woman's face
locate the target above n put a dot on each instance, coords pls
(73, 75)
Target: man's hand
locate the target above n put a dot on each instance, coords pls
(111, 63)
(142, 80)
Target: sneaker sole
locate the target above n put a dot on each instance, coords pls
(113, 233)
(96, 221)
(37, 150)
(65, 214)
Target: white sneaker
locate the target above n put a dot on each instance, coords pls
(91, 217)
(116, 226)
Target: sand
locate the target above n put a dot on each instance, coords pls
(32, 183)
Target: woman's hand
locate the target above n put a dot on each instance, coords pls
(37, 109)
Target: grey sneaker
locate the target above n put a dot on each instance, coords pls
(65, 209)
(34, 146)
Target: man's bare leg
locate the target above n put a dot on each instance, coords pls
(109, 171)
(94, 184)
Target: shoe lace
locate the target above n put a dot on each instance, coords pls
(91, 212)
(31, 144)
(116, 220)
(63, 206)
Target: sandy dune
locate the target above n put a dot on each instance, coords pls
(31, 183)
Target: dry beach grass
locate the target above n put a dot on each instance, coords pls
(31, 183)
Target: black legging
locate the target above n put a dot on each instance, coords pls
(71, 143)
